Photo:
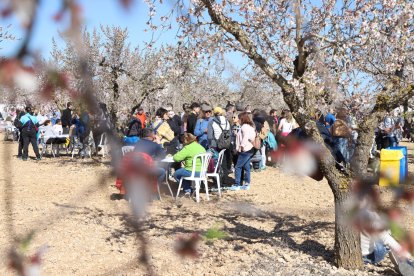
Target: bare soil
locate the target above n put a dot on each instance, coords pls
(283, 226)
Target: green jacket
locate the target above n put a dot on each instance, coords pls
(187, 154)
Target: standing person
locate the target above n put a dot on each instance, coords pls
(192, 118)
(41, 116)
(219, 137)
(101, 124)
(235, 128)
(175, 123)
(184, 117)
(274, 121)
(286, 124)
(230, 109)
(29, 129)
(244, 146)
(67, 118)
(19, 126)
(201, 128)
(140, 115)
(263, 134)
(330, 118)
(191, 148)
(389, 129)
(341, 133)
(163, 130)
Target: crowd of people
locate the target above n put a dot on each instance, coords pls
(247, 136)
(70, 127)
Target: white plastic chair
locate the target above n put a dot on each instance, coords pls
(44, 142)
(205, 159)
(216, 170)
(77, 145)
(103, 145)
(126, 149)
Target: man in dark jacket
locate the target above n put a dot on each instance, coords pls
(175, 124)
(66, 118)
(192, 118)
(148, 146)
(29, 129)
(19, 126)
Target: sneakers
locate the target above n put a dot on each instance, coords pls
(234, 188)
(24, 158)
(245, 187)
(38, 158)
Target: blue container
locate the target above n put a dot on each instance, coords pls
(403, 162)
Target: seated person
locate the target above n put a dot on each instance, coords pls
(149, 146)
(375, 248)
(48, 132)
(191, 148)
(58, 127)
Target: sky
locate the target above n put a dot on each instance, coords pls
(95, 13)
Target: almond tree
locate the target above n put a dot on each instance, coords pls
(318, 54)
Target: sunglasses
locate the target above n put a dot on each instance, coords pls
(208, 111)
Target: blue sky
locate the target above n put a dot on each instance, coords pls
(96, 12)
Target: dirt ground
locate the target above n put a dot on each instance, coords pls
(282, 226)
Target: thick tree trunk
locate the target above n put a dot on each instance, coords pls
(359, 162)
(347, 238)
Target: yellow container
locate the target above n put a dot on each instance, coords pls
(390, 167)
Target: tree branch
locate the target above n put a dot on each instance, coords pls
(239, 34)
(388, 101)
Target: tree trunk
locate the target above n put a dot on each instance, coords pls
(347, 239)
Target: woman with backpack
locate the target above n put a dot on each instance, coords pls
(244, 146)
(219, 137)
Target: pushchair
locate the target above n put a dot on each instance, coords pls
(11, 132)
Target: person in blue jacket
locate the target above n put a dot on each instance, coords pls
(201, 128)
(30, 125)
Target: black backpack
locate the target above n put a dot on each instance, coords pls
(135, 128)
(224, 141)
(18, 124)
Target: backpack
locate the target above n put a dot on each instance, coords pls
(17, 123)
(224, 140)
(134, 128)
(270, 141)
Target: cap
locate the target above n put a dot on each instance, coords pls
(218, 110)
(205, 107)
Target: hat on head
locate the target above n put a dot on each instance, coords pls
(205, 107)
(218, 110)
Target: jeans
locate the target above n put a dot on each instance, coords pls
(160, 174)
(243, 164)
(342, 149)
(262, 163)
(392, 141)
(379, 253)
(21, 145)
(29, 138)
(180, 173)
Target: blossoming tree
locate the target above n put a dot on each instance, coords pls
(318, 53)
